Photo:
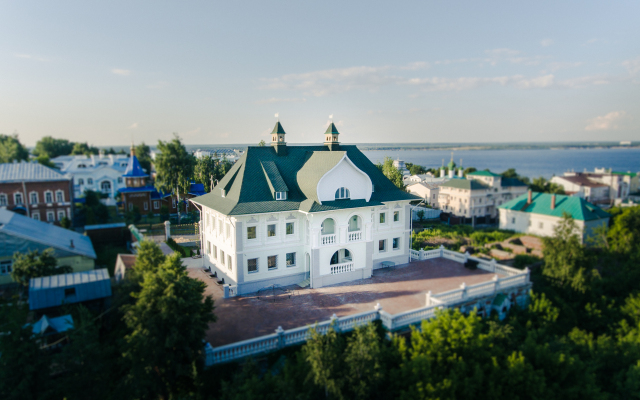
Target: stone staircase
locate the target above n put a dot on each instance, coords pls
(305, 283)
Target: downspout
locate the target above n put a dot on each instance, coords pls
(310, 255)
(26, 199)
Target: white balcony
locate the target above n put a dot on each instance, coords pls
(355, 236)
(342, 268)
(326, 240)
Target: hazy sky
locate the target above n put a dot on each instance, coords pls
(217, 72)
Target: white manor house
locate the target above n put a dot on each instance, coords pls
(310, 215)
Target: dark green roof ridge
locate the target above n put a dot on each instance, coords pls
(332, 129)
(278, 128)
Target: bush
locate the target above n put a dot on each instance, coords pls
(523, 260)
(183, 251)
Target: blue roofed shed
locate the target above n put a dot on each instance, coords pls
(55, 290)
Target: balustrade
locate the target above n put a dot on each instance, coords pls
(355, 236)
(341, 268)
(326, 240)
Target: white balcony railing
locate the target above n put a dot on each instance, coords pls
(355, 236)
(341, 268)
(326, 240)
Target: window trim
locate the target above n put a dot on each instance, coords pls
(293, 228)
(53, 216)
(281, 195)
(384, 245)
(275, 230)
(48, 193)
(343, 193)
(257, 260)
(35, 214)
(276, 263)
(56, 196)
(286, 260)
(393, 241)
(15, 199)
(382, 217)
(255, 232)
(63, 213)
(31, 194)
(396, 214)
(4, 200)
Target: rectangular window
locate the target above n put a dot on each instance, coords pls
(291, 259)
(289, 228)
(271, 230)
(156, 205)
(61, 214)
(272, 262)
(396, 243)
(513, 220)
(3, 200)
(382, 245)
(281, 195)
(222, 257)
(251, 232)
(146, 205)
(383, 218)
(252, 265)
(36, 216)
(5, 267)
(48, 197)
(60, 196)
(215, 252)
(50, 216)
(18, 198)
(34, 198)
(540, 225)
(396, 216)
(229, 263)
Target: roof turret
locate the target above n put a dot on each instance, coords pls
(134, 170)
(332, 129)
(278, 129)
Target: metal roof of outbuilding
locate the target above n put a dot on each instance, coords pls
(51, 291)
(29, 172)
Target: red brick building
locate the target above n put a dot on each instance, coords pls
(36, 191)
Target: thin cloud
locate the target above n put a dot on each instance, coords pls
(546, 42)
(133, 126)
(605, 122)
(31, 57)
(517, 81)
(121, 72)
(277, 100)
(633, 66)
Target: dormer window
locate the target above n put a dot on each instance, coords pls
(342, 193)
(281, 195)
(82, 166)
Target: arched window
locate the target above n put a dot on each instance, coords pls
(342, 193)
(105, 186)
(341, 256)
(355, 223)
(328, 227)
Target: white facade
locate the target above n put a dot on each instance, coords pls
(544, 225)
(102, 173)
(255, 251)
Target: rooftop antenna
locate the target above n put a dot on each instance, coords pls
(278, 116)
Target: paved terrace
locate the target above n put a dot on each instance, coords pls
(402, 289)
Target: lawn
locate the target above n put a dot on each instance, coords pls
(452, 237)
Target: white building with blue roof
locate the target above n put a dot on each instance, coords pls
(99, 173)
(20, 234)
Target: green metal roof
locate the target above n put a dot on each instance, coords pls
(274, 179)
(468, 184)
(578, 208)
(278, 128)
(483, 173)
(631, 174)
(249, 186)
(332, 129)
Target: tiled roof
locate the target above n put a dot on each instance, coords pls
(468, 184)
(247, 189)
(577, 207)
(47, 234)
(582, 180)
(482, 173)
(29, 172)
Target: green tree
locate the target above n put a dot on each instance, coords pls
(11, 149)
(149, 258)
(511, 173)
(167, 326)
(84, 149)
(541, 185)
(93, 211)
(204, 169)
(469, 170)
(133, 216)
(364, 362)
(44, 160)
(65, 223)
(174, 167)
(25, 369)
(52, 148)
(565, 258)
(34, 264)
(143, 153)
(261, 143)
(392, 172)
(323, 353)
(624, 234)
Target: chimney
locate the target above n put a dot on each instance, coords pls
(553, 201)
(71, 245)
(529, 197)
